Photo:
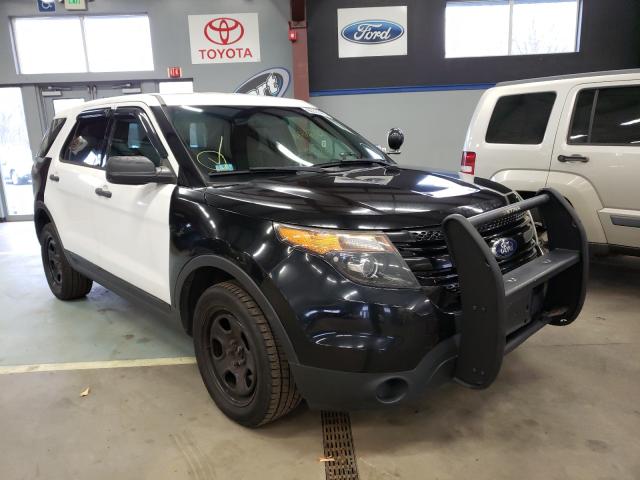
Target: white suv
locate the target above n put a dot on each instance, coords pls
(579, 134)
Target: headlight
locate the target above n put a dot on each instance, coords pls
(367, 258)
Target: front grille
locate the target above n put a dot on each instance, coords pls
(426, 253)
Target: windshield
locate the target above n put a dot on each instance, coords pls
(232, 138)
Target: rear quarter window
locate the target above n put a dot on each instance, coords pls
(520, 119)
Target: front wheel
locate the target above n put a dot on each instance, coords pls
(241, 362)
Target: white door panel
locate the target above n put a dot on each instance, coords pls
(134, 226)
(71, 199)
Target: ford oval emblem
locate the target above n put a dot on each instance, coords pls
(273, 82)
(372, 31)
(504, 247)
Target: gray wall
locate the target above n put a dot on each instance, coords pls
(170, 37)
(434, 123)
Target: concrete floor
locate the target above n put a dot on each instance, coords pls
(564, 407)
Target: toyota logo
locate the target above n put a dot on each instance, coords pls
(224, 31)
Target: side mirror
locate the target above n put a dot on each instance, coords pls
(136, 171)
(395, 139)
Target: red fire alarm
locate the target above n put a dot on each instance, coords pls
(174, 72)
(293, 35)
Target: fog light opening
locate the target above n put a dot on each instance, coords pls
(392, 390)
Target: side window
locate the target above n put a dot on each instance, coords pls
(520, 119)
(581, 121)
(617, 116)
(50, 135)
(606, 116)
(130, 139)
(86, 145)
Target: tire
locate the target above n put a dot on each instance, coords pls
(64, 282)
(241, 363)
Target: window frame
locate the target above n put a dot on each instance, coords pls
(546, 128)
(94, 112)
(511, 4)
(592, 117)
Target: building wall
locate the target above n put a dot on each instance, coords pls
(434, 123)
(170, 38)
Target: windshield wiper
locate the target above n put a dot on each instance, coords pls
(360, 161)
(284, 169)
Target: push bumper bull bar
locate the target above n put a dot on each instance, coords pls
(500, 311)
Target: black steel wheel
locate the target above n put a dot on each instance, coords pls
(64, 282)
(242, 365)
(230, 354)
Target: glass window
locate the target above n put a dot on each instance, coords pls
(62, 104)
(617, 116)
(580, 123)
(50, 135)
(130, 139)
(238, 138)
(179, 86)
(33, 37)
(15, 153)
(483, 28)
(118, 43)
(544, 26)
(520, 119)
(86, 145)
(476, 29)
(108, 43)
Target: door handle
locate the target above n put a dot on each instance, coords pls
(54, 178)
(101, 192)
(573, 158)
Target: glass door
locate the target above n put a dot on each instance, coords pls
(16, 158)
(56, 98)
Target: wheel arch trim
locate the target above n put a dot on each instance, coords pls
(246, 282)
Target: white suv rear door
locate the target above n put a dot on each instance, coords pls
(133, 220)
(74, 174)
(598, 144)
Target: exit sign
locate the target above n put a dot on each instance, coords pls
(75, 4)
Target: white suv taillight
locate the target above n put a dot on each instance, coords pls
(468, 163)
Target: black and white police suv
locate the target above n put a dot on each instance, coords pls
(304, 262)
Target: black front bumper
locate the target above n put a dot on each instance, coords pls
(498, 312)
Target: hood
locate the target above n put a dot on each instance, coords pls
(371, 198)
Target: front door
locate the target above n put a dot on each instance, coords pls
(601, 146)
(133, 220)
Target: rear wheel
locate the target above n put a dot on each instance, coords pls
(241, 363)
(64, 282)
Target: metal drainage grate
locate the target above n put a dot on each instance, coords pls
(340, 457)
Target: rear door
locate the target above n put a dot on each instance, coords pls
(133, 220)
(601, 143)
(74, 175)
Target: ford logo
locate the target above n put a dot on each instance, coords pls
(372, 31)
(273, 82)
(504, 247)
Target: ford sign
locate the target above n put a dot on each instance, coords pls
(504, 247)
(372, 31)
(272, 83)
